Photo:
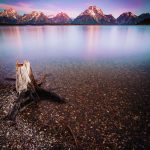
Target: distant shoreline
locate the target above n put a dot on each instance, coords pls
(91, 16)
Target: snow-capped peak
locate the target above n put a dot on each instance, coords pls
(10, 10)
(129, 14)
(62, 14)
(35, 13)
(9, 13)
(61, 18)
(93, 11)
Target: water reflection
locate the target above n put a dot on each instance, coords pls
(85, 42)
(91, 35)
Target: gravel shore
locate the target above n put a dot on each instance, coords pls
(107, 107)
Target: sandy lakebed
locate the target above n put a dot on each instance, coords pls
(107, 107)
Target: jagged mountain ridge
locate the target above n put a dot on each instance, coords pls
(9, 15)
(61, 18)
(127, 18)
(33, 18)
(92, 15)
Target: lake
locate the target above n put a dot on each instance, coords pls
(103, 72)
(127, 43)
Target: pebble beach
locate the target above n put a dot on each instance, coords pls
(106, 107)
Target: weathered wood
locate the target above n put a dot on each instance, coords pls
(29, 90)
(24, 77)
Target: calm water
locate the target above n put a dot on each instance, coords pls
(75, 42)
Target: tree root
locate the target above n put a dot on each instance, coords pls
(29, 97)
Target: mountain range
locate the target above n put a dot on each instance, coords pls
(92, 15)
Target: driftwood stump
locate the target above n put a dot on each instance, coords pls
(29, 90)
(24, 78)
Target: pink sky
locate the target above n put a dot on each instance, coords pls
(74, 8)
